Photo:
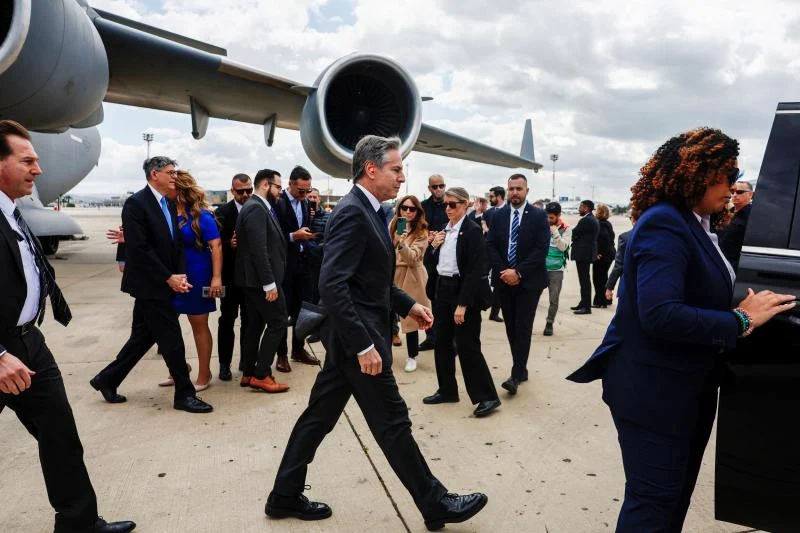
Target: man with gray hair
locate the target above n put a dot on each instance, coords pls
(357, 290)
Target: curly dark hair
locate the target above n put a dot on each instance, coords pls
(683, 168)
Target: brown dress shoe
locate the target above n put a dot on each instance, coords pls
(396, 340)
(245, 381)
(268, 384)
(304, 357)
(283, 364)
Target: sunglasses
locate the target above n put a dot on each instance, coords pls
(409, 208)
(304, 191)
(442, 186)
(172, 173)
(452, 205)
(739, 191)
(243, 191)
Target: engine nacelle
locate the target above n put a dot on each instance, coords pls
(53, 65)
(66, 158)
(359, 94)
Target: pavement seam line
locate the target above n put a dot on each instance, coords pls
(378, 474)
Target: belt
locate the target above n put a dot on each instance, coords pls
(451, 279)
(24, 329)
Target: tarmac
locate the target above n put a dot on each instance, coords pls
(548, 458)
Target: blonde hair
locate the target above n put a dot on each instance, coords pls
(602, 212)
(193, 199)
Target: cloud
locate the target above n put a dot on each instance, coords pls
(604, 82)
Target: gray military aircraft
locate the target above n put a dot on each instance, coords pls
(61, 59)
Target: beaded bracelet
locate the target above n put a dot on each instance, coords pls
(745, 321)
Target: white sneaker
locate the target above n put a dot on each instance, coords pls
(411, 364)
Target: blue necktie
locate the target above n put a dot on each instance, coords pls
(274, 216)
(512, 245)
(167, 215)
(384, 224)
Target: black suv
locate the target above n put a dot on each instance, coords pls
(758, 429)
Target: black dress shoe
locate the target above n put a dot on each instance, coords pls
(599, 306)
(225, 373)
(485, 407)
(192, 404)
(495, 318)
(548, 330)
(426, 345)
(297, 507)
(579, 306)
(583, 311)
(510, 385)
(101, 526)
(438, 397)
(110, 395)
(456, 509)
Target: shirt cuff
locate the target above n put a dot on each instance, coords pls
(291, 237)
(365, 350)
(3, 352)
(270, 287)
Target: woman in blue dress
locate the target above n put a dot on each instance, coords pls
(203, 251)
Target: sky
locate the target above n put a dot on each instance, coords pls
(604, 82)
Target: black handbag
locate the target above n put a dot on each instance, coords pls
(309, 319)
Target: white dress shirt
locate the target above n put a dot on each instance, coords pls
(297, 207)
(238, 206)
(448, 265)
(521, 211)
(32, 295)
(705, 221)
(272, 286)
(375, 205)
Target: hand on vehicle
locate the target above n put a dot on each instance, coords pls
(764, 305)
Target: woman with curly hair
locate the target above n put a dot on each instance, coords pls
(410, 274)
(659, 358)
(203, 251)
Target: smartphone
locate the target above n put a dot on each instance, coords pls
(402, 222)
(207, 291)
(312, 205)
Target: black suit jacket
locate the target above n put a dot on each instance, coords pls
(152, 255)
(262, 248)
(289, 225)
(356, 282)
(227, 215)
(471, 260)
(533, 243)
(732, 237)
(584, 239)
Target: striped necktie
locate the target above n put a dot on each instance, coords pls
(512, 245)
(47, 282)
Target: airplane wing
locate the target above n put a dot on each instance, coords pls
(153, 68)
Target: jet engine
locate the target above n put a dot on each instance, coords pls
(358, 95)
(53, 65)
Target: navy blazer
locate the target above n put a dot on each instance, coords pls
(285, 211)
(356, 281)
(532, 246)
(673, 319)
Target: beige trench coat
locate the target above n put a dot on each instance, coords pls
(411, 276)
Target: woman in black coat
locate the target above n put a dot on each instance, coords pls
(605, 257)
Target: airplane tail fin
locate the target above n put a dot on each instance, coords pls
(526, 151)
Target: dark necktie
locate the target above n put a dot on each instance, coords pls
(384, 225)
(512, 245)
(47, 282)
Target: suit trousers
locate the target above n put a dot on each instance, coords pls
(585, 282)
(45, 412)
(661, 470)
(519, 310)
(154, 322)
(297, 288)
(387, 417)
(229, 308)
(258, 358)
(599, 280)
(467, 336)
(555, 280)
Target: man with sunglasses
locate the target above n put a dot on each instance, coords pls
(732, 237)
(227, 215)
(436, 217)
(295, 219)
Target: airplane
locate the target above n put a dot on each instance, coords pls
(60, 60)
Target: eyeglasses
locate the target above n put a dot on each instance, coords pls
(452, 205)
(243, 191)
(739, 191)
(276, 185)
(440, 186)
(172, 173)
(409, 208)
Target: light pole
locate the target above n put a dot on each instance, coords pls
(554, 158)
(148, 138)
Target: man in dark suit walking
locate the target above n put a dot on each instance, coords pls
(584, 253)
(519, 238)
(233, 301)
(435, 216)
(497, 200)
(154, 273)
(30, 381)
(358, 291)
(260, 271)
(294, 216)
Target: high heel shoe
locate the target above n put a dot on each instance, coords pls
(169, 382)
